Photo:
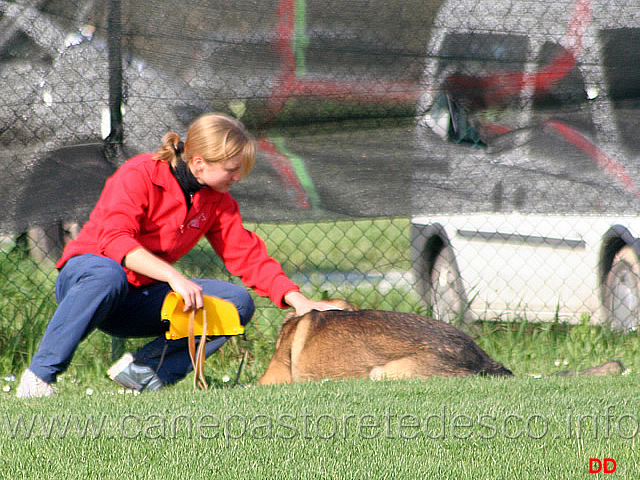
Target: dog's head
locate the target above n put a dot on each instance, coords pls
(338, 302)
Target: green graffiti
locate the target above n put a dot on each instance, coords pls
(300, 39)
(300, 168)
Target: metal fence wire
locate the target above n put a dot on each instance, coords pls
(467, 159)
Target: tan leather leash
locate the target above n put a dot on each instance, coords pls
(198, 357)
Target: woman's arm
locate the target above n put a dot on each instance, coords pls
(302, 304)
(245, 255)
(142, 261)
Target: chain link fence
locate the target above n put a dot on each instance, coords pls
(464, 159)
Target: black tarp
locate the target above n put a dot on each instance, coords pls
(360, 108)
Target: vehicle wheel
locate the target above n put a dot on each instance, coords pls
(445, 292)
(622, 291)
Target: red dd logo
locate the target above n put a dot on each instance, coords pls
(606, 465)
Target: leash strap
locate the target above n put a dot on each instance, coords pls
(198, 357)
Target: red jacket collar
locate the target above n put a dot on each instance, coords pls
(162, 176)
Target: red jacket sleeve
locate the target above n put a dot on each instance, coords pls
(122, 207)
(245, 255)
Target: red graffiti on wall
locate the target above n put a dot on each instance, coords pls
(287, 172)
(288, 85)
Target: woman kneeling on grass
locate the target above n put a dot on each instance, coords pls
(115, 275)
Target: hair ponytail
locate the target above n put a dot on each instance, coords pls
(170, 150)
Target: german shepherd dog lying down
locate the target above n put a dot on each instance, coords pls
(375, 344)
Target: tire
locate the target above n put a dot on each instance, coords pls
(445, 292)
(622, 291)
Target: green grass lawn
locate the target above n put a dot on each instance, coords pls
(518, 428)
(526, 427)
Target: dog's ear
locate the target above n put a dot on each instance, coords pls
(342, 304)
(291, 314)
(339, 303)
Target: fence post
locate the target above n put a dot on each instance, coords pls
(113, 143)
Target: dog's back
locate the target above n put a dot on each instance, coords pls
(376, 344)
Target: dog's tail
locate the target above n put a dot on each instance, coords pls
(609, 368)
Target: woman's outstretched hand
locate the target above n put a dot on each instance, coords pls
(303, 305)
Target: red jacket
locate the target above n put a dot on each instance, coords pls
(142, 205)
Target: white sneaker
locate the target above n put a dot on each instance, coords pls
(33, 386)
(136, 377)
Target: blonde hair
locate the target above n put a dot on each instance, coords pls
(213, 136)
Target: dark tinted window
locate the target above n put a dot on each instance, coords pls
(621, 50)
(485, 46)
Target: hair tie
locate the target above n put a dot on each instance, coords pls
(179, 148)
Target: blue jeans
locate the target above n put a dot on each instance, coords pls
(93, 292)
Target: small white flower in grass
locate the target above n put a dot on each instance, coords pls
(121, 391)
(10, 378)
(6, 388)
(226, 378)
(89, 391)
(565, 362)
(557, 363)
